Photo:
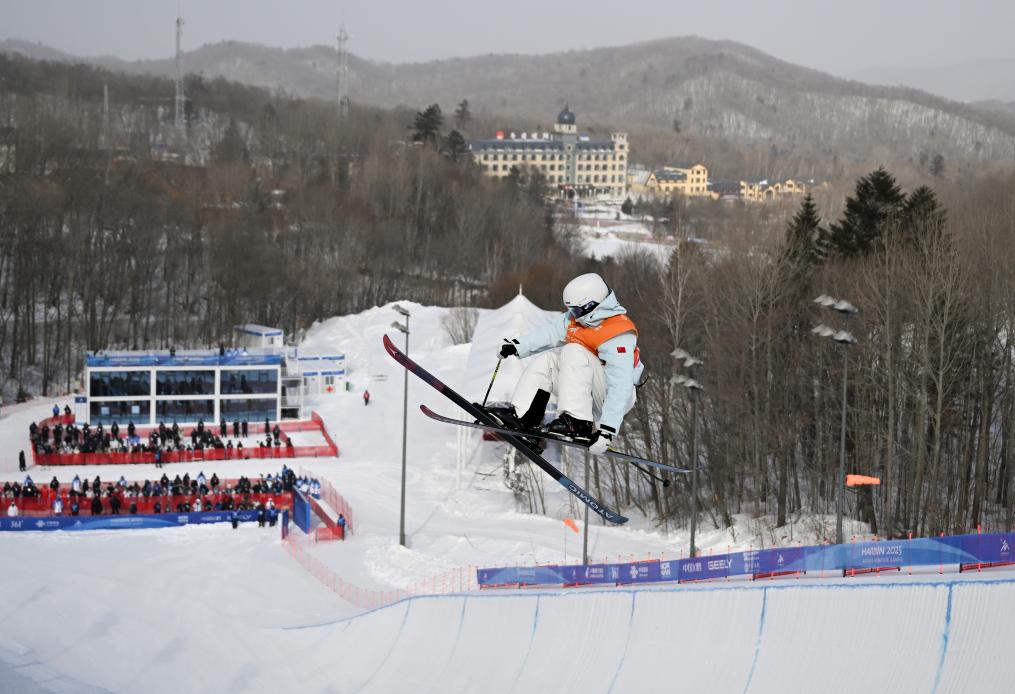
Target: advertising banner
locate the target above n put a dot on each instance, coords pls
(957, 549)
(129, 522)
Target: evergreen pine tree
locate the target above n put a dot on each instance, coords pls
(876, 200)
(454, 146)
(803, 237)
(426, 125)
(923, 215)
(231, 149)
(937, 165)
(463, 116)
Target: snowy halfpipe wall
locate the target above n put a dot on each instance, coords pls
(876, 636)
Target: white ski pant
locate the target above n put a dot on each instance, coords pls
(572, 373)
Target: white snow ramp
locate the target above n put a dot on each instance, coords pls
(939, 636)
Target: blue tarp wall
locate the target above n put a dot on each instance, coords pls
(956, 549)
(302, 513)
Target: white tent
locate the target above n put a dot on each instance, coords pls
(514, 318)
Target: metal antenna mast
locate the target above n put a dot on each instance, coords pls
(181, 100)
(105, 116)
(343, 73)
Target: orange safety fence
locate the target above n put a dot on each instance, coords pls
(454, 581)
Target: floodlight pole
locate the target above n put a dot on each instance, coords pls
(691, 384)
(405, 419)
(841, 492)
(694, 465)
(585, 528)
(844, 337)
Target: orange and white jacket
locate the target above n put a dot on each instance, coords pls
(608, 333)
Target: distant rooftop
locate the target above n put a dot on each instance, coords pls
(190, 357)
(258, 330)
(566, 117)
(665, 175)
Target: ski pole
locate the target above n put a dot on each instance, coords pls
(665, 482)
(492, 379)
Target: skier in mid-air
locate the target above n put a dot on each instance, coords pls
(588, 357)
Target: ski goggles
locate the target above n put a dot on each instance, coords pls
(583, 310)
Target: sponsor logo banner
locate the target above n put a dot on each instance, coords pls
(121, 522)
(958, 549)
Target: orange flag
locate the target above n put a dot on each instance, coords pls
(571, 524)
(857, 480)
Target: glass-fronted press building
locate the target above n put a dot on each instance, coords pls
(148, 388)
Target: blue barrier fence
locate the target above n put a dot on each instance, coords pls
(127, 522)
(957, 549)
(302, 513)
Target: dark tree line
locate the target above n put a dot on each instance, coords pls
(931, 397)
(291, 217)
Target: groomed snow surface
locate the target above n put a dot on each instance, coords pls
(212, 609)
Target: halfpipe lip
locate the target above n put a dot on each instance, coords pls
(865, 583)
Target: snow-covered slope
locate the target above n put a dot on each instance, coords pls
(207, 608)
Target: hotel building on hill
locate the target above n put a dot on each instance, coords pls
(575, 165)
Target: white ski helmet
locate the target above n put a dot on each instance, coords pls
(584, 293)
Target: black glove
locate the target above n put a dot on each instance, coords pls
(509, 348)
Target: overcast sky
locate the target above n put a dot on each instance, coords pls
(832, 35)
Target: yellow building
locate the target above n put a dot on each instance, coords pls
(574, 164)
(764, 190)
(680, 179)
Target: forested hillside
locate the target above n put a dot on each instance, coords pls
(720, 91)
(126, 233)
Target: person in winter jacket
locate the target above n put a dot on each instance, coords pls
(12, 510)
(57, 506)
(587, 357)
(96, 505)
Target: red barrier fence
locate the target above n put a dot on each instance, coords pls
(456, 580)
(330, 450)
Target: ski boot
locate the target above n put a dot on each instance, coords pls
(578, 430)
(506, 417)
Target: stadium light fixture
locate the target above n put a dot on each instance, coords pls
(844, 338)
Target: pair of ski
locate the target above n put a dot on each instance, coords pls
(488, 423)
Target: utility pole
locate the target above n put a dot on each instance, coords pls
(343, 74)
(180, 102)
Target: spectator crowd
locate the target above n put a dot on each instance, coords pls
(71, 439)
(164, 495)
